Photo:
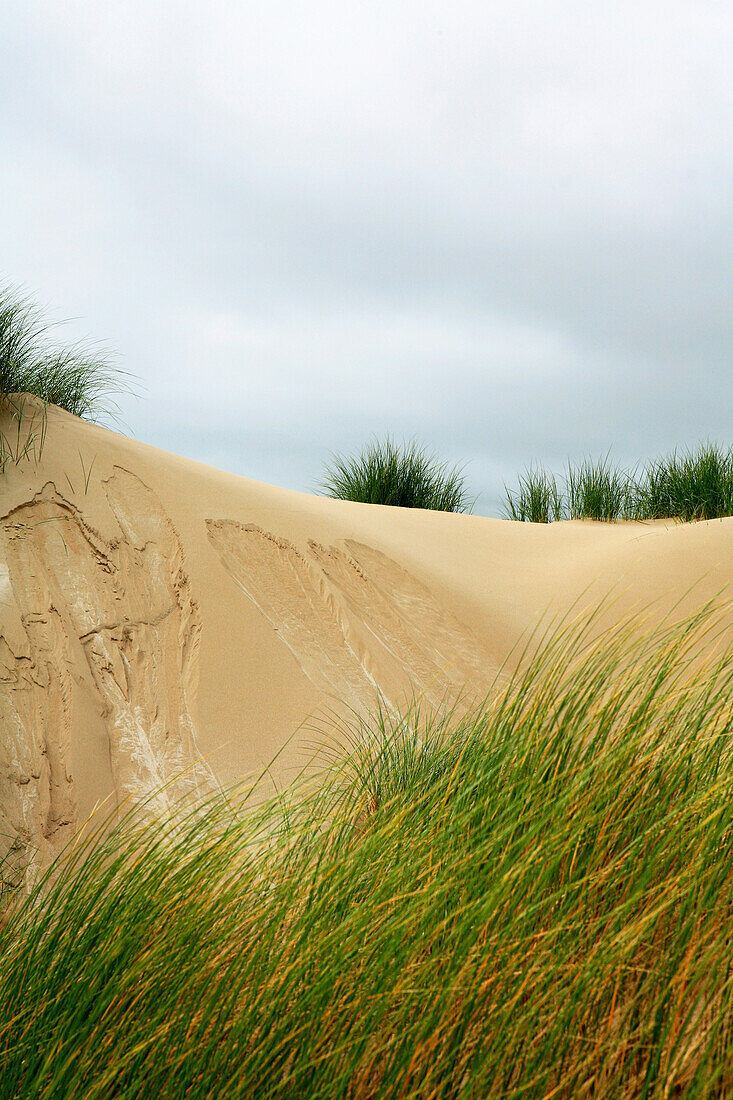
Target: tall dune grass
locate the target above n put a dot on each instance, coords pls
(77, 378)
(530, 900)
(405, 476)
(695, 485)
(596, 490)
(538, 498)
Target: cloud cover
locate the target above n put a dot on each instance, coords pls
(506, 230)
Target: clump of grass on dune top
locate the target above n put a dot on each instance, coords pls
(538, 499)
(596, 490)
(696, 485)
(406, 476)
(77, 378)
(531, 899)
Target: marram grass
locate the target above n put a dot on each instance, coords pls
(537, 500)
(533, 899)
(405, 476)
(596, 490)
(75, 377)
(694, 485)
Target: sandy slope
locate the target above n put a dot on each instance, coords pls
(163, 622)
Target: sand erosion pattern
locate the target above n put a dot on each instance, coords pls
(348, 614)
(124, 610)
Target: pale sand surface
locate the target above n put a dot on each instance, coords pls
(169, 623)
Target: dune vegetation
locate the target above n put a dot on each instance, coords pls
(532, 899)
(538, 498)
(694, 485)
(405, 476)
(75, 377)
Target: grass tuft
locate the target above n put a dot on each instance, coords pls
(406, 476)
(538, 499)
(77, 378)
(536, 903)
(596, 490)
(695, 486)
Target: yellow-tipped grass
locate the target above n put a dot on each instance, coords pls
(533, 899)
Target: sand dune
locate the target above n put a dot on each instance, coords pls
(165, 627)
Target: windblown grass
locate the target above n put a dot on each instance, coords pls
(694, 486)
(406, 476)
(77, 378)
(531, 900)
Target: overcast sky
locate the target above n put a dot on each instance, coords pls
(505, 229)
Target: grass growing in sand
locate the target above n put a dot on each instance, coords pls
(538, 499)
(696, 485)
(532, 900)
(77, 378)
(406, 476)
(596, 490)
